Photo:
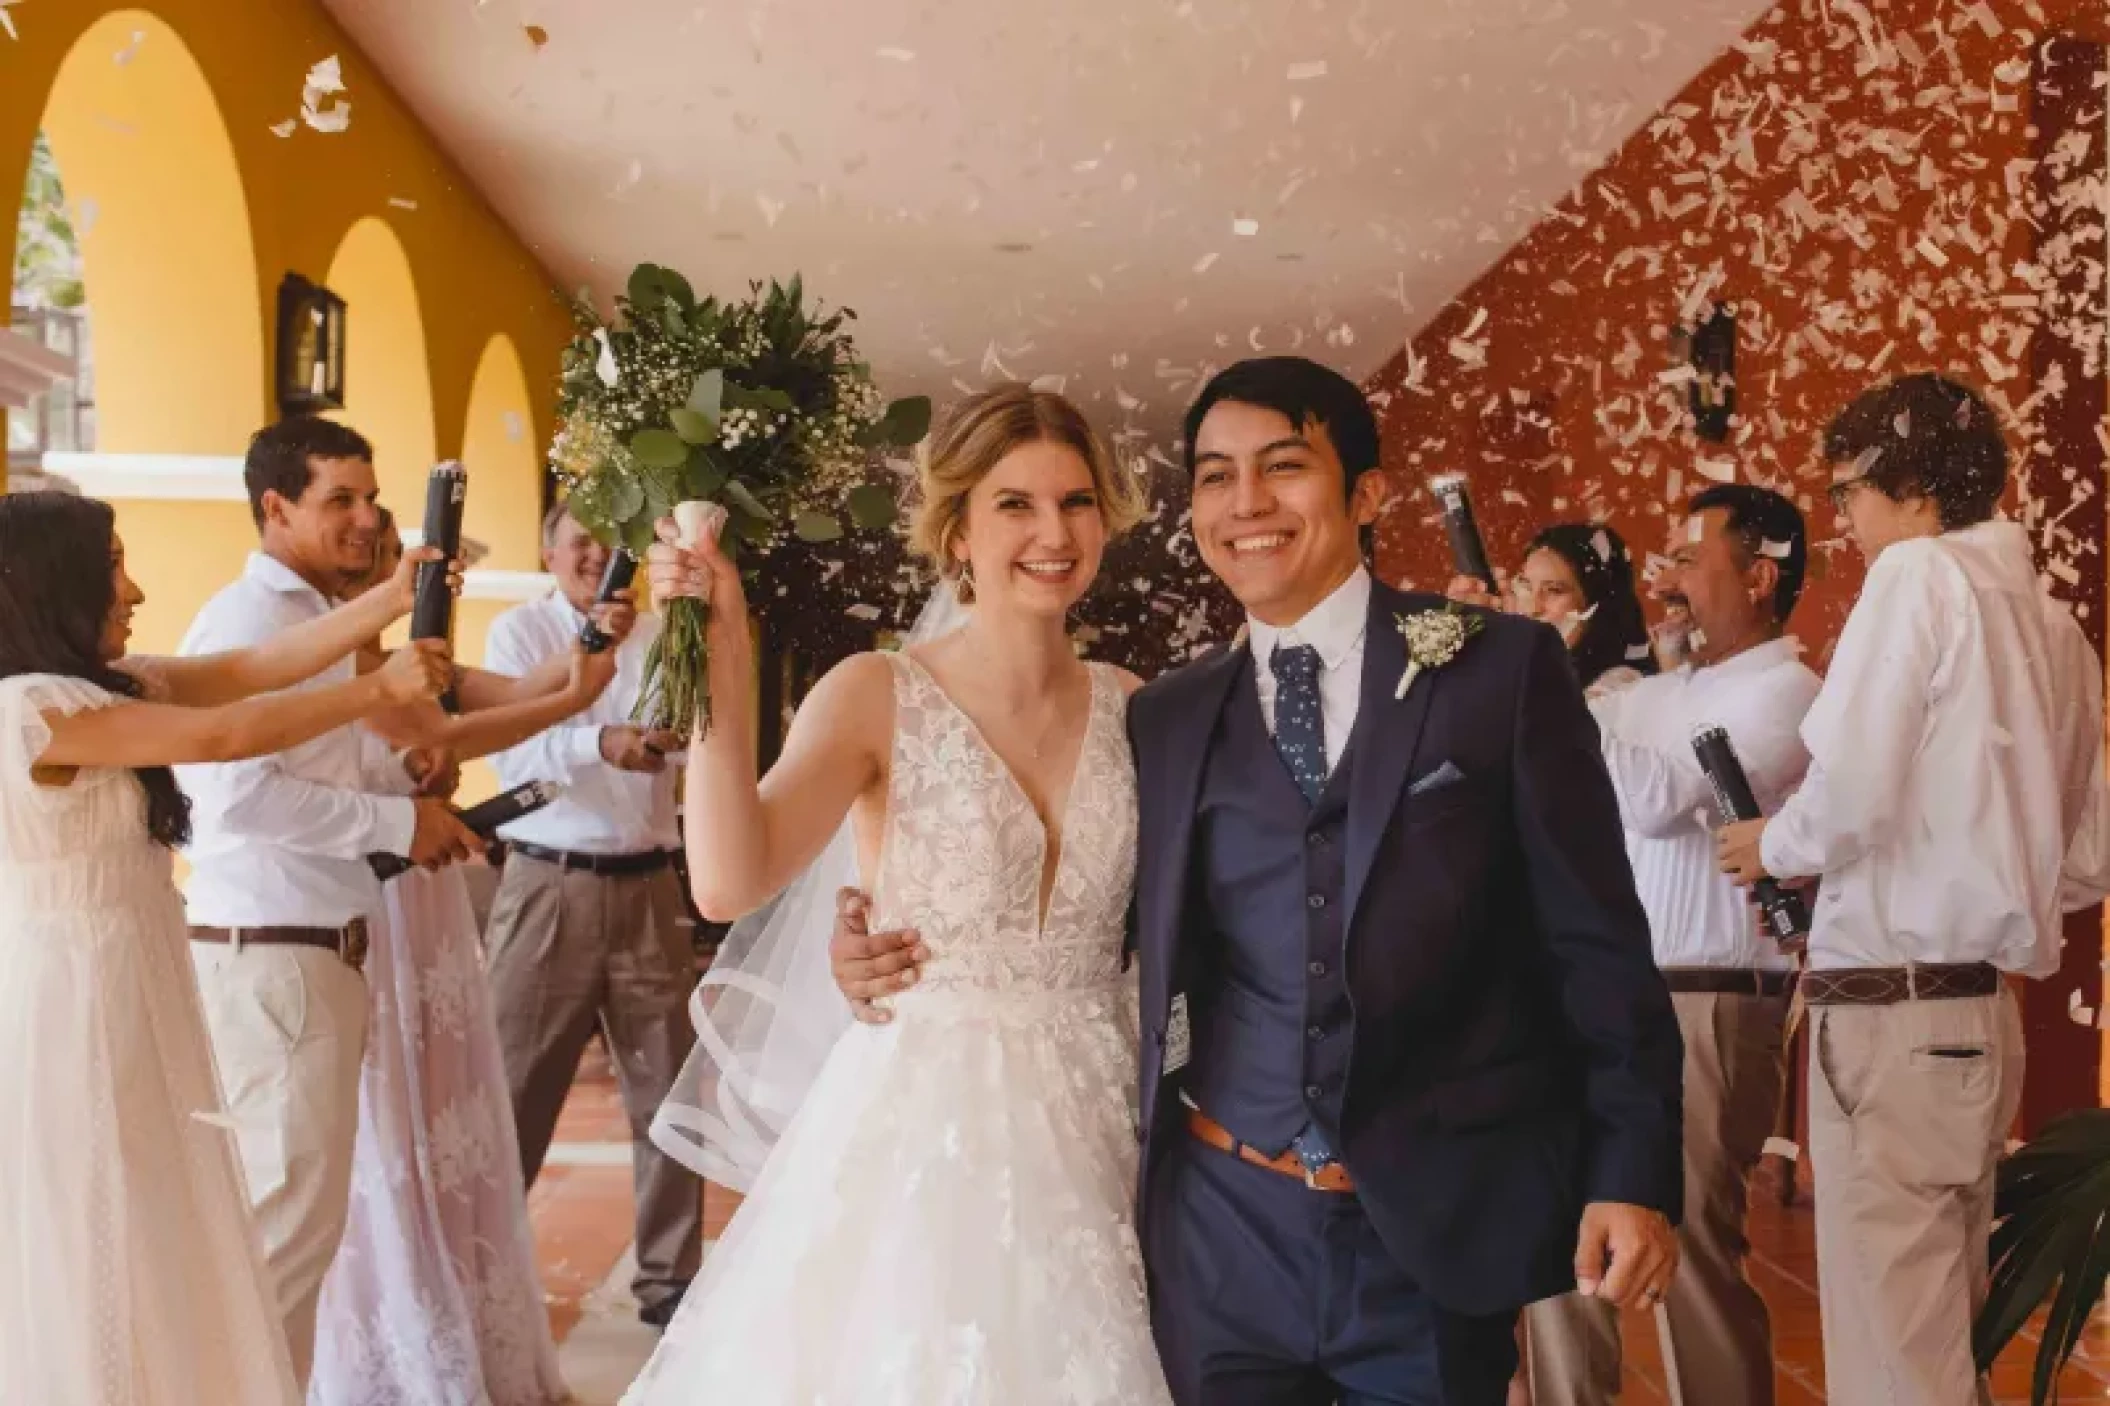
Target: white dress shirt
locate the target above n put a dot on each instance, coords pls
(1335, 627)
(603, 809)
(282, 841)
(1696, 916)
(1937, 802)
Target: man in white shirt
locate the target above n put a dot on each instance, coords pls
(587, 928)
(1947, 807)
(280, 890)
(1734, 574)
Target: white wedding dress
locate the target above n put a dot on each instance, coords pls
(946, 1220)
(130, 1274)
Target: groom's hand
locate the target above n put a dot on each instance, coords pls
(871, 966)
(1625, 1254)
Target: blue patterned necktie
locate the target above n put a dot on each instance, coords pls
(1300, 728)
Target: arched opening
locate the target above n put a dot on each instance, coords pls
(387, 380)
(502, 452)
(154, 198)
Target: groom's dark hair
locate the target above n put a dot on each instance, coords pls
(1301, 391)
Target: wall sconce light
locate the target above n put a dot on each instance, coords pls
(310, 348)
(1710, 350)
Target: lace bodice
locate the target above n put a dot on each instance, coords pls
(68, 849)
(964, 854)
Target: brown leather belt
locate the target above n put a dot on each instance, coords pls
(1331, 1177)
(1730, 981)
(1887, 986)
(348, 942)
(607, 865)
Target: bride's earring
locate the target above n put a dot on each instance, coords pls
(965, 588)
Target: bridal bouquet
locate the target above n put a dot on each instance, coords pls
(759, 407)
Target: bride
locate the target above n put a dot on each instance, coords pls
(945, 1220)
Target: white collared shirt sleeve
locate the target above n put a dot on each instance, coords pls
(2084, 877)
(1662, 790)
(259, 798)
(1867, 726)
(557, 753)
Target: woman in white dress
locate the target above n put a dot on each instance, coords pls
(433, 1299)
(945, 1222)
(130, 1274)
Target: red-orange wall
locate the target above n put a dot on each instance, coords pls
(1859, 162)
(1568, 417)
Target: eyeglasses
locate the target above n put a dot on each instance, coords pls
(1842, 491)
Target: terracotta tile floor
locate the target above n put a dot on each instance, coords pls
(581, 1216)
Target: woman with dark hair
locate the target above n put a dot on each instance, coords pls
(129, 1270)
(1578, 578)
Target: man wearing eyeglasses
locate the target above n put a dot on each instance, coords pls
(1954, 804)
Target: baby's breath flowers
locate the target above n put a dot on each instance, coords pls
(761, 407)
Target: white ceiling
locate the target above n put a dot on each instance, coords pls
(1046, 188)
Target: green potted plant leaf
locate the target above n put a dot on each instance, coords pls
(2051, 1240)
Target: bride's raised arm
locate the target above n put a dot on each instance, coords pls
(747, 837)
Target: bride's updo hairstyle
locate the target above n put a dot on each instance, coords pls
(973, 437)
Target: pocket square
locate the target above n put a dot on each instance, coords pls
(1445, 775)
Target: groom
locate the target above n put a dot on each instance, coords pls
(1407, 1062)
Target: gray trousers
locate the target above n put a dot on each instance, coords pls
(570, 952)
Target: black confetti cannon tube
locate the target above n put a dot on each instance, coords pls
(622, 570)
(1468, 548)
(485, 819)
(1786, 918)
(432, 608)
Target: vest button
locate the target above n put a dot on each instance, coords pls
(1317, 969)
(1317, 900)
(1314, 1032)
(1317, 839)
(1313, 1091)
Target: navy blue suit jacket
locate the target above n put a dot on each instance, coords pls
(1514, 1052)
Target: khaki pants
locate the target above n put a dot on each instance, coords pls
(1909, 1110)
(1717, 1333)
(288, 1029)
(570, 951)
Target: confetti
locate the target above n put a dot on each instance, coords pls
(1717, 470)
(516, 428)
(130, 51)
(325, 81)
(1778, 551)
(285, 128)
(898, 55)
(7, 21)
(401, 204)
(1781, 1147)
(1245, 228)
(1308, 70)
(1205, 263)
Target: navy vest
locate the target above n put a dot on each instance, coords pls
(1271, 1020)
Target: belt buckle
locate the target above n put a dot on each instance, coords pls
(352, 944)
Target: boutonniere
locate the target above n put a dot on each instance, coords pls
(1434, 638)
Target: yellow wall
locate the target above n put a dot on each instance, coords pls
(160, 119)
(504, 461)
